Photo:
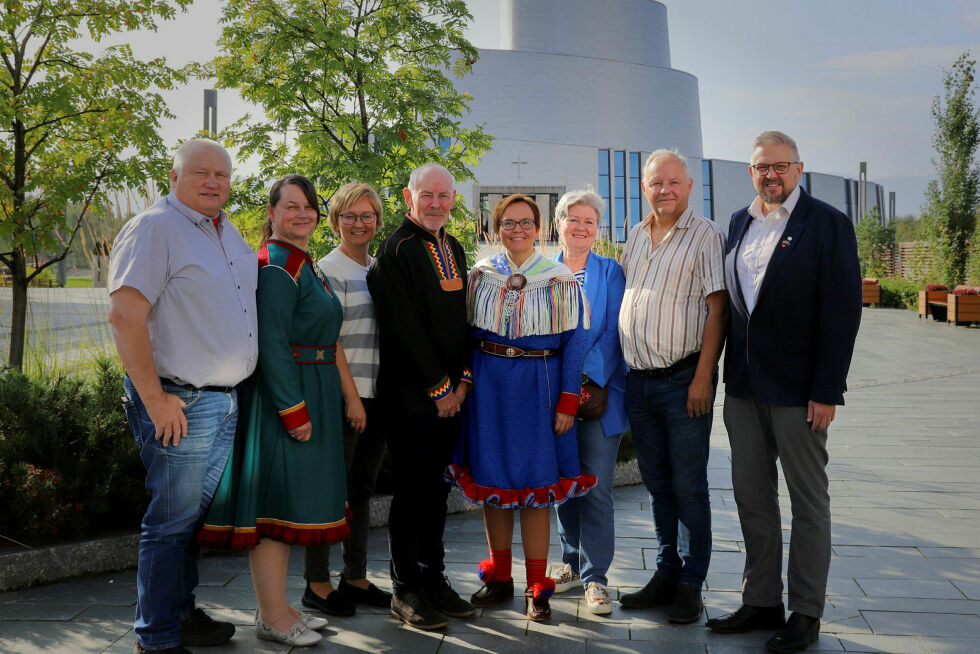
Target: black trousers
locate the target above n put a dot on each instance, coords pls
(421, 448)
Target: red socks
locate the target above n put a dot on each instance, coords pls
(535, 570)
(497, 567)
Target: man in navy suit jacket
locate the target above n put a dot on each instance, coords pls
(793, 275)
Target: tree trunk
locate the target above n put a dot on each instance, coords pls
(18, 316)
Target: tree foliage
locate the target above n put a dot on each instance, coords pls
(951, 199)
(874, 244)
(73, 125)
(352, 90)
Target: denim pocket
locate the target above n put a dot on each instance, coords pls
(132, 409)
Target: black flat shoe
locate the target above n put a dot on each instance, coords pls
(493, 592)
(373, 596)
(749, 618)
(798, 634)
(333, 604)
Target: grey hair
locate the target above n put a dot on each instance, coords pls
(191, 146)
(586, 196)
(775, 137)
(423, 170)
(659, 155)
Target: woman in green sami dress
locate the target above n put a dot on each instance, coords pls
(284, 483)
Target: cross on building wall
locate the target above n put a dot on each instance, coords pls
(519, 163)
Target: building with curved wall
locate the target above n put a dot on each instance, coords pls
(579, 92)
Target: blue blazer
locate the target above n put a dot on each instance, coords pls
(605, 284)
(797, 344)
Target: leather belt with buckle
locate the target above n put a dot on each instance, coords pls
(511, 352)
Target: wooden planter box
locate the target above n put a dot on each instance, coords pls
(925, 297)
(870, 293)
(963, 309)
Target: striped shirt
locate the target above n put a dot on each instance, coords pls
(359, 332)
(664, 309)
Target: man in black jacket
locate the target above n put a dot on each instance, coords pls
(418, 283)
(795, 286)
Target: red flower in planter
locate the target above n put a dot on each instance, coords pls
(869, 280)
(966, 290)
(937, 287)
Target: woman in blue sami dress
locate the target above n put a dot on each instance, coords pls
(284, 483)
(519, 447)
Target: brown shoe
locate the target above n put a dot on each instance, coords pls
(493, 592)
(538, 608)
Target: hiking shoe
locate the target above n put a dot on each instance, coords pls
(414, 611)
(447, 601)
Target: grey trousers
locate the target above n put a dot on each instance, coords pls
(760, 433)
(362, 453)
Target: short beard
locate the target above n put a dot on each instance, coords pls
(774, 198)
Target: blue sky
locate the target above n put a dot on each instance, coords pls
(850, 80)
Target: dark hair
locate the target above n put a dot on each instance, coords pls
(501, 207)
(275, 193)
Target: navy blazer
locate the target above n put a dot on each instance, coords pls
(797, 344)
(605, 285)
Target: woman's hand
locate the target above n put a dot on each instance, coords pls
(356, 416)
(302, 433)
(563, 422)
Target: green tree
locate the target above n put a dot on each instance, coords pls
(909, 228)
(74, 125)
(951, 200)
(351, 90)
(874, 244)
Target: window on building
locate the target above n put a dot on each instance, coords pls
(635, 195)
(709, 209)
(604, 187)
(619, 193)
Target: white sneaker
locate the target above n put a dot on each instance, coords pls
(597, 598)
(564, 577)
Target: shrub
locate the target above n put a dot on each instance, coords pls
(69, 466)
(899, 293)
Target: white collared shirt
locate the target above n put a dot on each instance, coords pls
(759, 243)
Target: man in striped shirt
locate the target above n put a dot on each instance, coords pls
(672, 325)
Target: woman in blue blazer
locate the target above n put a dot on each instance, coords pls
(585, 524)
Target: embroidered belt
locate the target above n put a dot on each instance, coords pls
(511, 352)
(661, 373)
(189, 387)
(303, 354)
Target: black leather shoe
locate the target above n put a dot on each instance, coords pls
(445, 600)
(800, 631)
(333, 604)
(373, 596)
(139, 649)
(493, 592)
(749, 618)
(657, 592)
(687, 605)
(199, 630)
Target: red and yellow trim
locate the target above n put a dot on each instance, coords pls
(295, 416)
(568, 404)
(519, 498)
(467, 376)
(290, 533)
(440, 390)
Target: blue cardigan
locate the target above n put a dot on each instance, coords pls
(605, 284)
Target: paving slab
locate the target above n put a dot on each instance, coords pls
(905, 570)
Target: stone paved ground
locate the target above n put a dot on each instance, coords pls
(905, 575)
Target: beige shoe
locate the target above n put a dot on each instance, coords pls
(312, 621)
(299, 636)
(564, 578)
(597, 598)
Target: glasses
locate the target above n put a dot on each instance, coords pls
(367, 218)
(780, 167)
(509, 225)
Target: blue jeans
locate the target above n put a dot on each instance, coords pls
(585, 524)
(672, 452)
(181, 481)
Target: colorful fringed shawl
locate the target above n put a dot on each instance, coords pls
(549, 303)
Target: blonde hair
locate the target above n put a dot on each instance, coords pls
(347, 196)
